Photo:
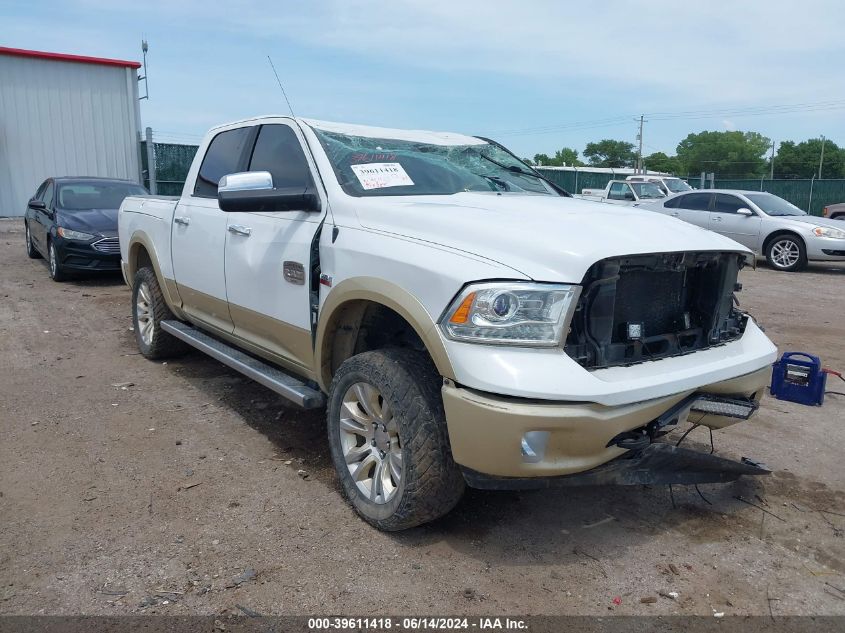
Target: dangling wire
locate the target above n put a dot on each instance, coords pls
(687, 432)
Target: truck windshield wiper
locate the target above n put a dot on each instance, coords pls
(511, 168)
(517, 170)
(496, 180)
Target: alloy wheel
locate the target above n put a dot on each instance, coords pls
(144, 314)
(369, 438)
(53, 262)
(785, 253)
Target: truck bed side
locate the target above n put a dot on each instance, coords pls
(147, 221)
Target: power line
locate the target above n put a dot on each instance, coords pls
(819, 106)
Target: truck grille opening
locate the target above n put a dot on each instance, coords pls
(645, 307)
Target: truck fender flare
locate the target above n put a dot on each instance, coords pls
(379, 291)
(169, 289)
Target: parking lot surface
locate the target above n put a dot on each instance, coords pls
(130, 486)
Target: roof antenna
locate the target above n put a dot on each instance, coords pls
(284, 94)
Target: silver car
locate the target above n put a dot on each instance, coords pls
(765, 223)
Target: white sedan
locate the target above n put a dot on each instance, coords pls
(765, 223)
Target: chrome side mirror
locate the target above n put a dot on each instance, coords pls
(744, 211)
(246, 181)
(253, 191)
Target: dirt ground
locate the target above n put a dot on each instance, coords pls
(180, 494)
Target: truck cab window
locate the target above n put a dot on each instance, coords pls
(617, 191)
(278, 151)
(223, 157)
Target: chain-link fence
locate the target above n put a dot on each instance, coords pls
(575, 181)
(171, 163)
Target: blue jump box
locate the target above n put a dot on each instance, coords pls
(798, 377)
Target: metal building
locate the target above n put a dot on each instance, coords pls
(64, 115)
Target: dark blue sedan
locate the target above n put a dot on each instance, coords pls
(73, 223)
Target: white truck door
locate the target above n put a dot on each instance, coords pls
(198, 235)
(268, 256)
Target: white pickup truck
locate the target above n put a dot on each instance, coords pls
(668, 184)
(461, 321)
(626, 193)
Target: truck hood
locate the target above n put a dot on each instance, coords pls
(543, 237)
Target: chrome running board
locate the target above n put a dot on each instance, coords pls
(271, 377)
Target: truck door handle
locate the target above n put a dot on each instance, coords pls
(238, 229)
(675, 214)
(182, 220)
(717, 219)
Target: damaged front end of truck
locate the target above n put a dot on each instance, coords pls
(634, 310)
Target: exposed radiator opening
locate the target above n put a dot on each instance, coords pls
(645, 307)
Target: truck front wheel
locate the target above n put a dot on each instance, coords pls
(388, 439)
(148, 310)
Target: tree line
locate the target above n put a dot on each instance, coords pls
(727, 154)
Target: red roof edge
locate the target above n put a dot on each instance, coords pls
(62, 57)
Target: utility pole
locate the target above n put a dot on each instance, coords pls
(821, 159)
(640, 151)
(772, 163)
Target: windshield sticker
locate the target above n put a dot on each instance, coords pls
(362, 157)
(381, 175)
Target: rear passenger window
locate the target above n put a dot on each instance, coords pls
(224, 156)
(278, 151)
(727, 204)
(695, 202)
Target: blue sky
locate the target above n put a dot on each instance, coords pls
(536, 75)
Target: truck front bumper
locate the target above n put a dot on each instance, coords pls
(517, 438)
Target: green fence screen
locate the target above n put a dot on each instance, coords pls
(172, 162)
(575, 181)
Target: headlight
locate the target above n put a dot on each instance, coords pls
(511, 313)
(74, 235)
(826, 231)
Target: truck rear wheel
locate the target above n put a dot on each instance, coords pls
(388, 439)
(149, 309)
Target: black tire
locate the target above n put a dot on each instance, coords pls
(31, 251)
(57, 272)
(786, 252)
(160, 344)
(431, 484)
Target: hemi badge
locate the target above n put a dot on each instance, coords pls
(325, 280)
(294, 272)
